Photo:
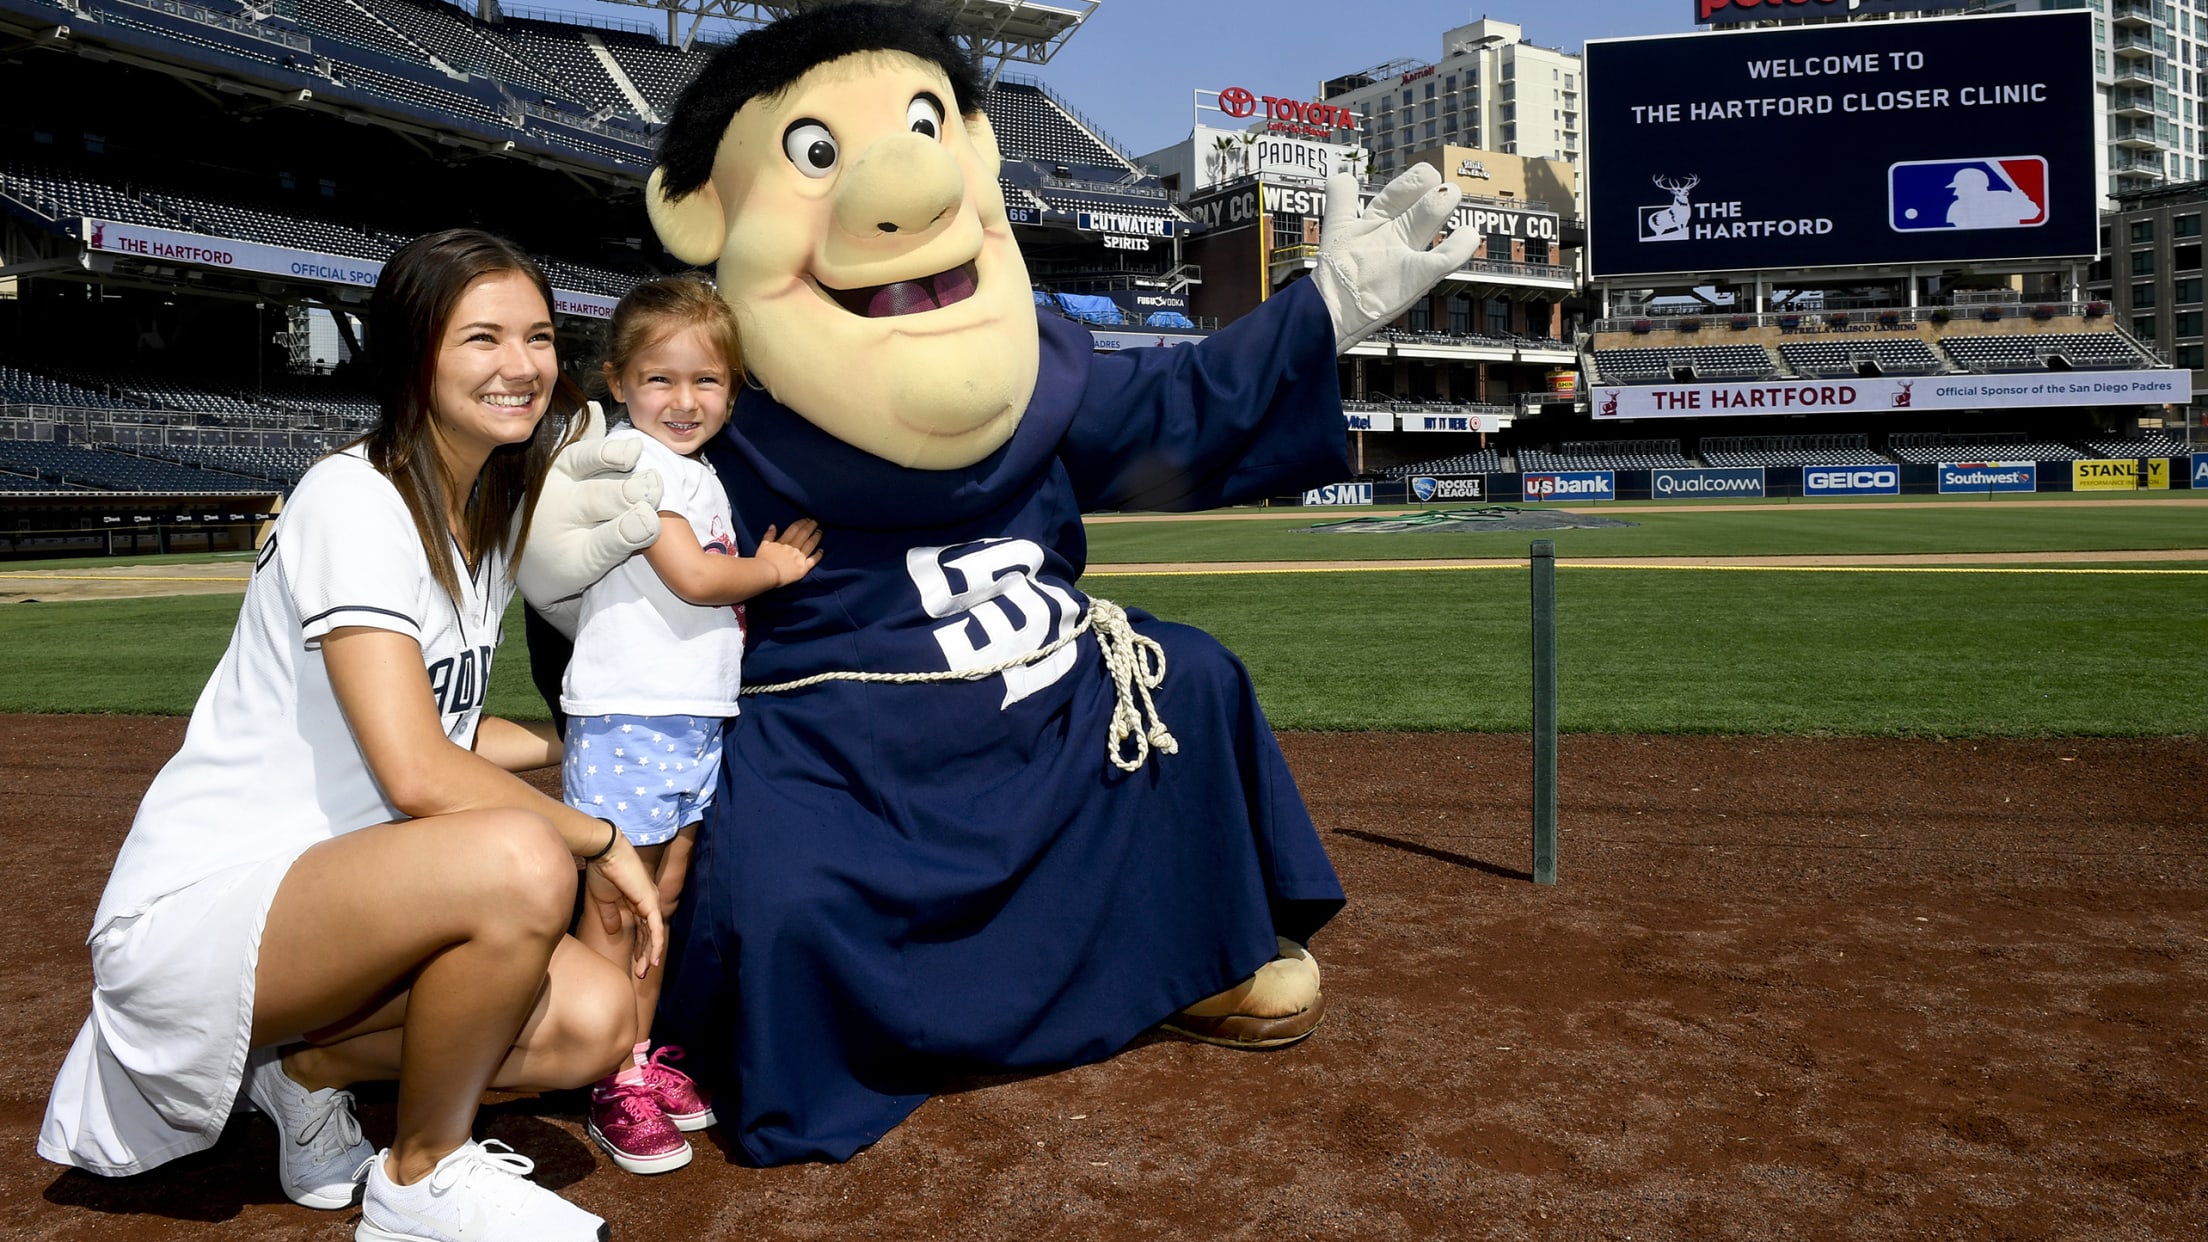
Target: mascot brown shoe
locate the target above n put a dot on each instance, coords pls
(1279, 1005)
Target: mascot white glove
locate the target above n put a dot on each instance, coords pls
(592, 514)
(1374, 263)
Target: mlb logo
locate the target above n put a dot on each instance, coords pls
(2009, 192)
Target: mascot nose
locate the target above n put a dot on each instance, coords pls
(901, 184)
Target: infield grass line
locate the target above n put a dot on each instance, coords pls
(1561, 565)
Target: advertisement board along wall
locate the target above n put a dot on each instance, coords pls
(1943, 140)
(1885, 395)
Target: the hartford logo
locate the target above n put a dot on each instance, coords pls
(1572, 485)
(1670, 221)
(2007, 192)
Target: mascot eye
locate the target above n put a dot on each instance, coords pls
(811, 147)
(925, 116)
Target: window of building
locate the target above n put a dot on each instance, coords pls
(2142, 262)
(1431, 131)
(1422, 315)
(2142, 326)
(2185, 323)
(2142, 296)
(2185, 258)
(1460, 314)
(2142, 230)
(2188, 357)
(1429, 90)
(2185, 226)
(2185, 291)
(1498, 317)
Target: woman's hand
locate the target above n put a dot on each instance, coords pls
(618, 884)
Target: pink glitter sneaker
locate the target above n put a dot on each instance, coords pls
(680, 1097)
(625, 1119)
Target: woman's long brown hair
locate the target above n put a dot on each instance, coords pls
(407, 318)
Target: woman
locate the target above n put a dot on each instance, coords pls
(338, 878)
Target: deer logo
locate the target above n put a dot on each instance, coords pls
(1669, 222)
(1901, 399)
(1609, 405)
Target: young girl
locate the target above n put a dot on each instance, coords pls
(654, 673)
(338, 878)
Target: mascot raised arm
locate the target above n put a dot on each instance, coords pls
(970, 818)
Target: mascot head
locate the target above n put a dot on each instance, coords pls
(837, 166)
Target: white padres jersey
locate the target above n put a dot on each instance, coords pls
(641, 649)
(269, 765)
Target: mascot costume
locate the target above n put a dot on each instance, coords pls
(970, 819)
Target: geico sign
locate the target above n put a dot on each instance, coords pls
(1839, 480)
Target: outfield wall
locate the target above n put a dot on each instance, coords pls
(1707, 483)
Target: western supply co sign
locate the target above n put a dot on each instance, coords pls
(1943, 140)
(1929, 392)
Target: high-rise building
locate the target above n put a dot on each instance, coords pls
(1490, 90)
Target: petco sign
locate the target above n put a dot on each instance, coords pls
(1285, 115)
(1572, 485)
(1851, 481)
(1729, 12)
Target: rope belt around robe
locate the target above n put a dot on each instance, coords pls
(1136, 663)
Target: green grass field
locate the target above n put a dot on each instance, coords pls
(1787, 651)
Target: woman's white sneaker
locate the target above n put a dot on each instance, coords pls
(479, 1193)
(319, 1149)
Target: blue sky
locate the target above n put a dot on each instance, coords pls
(1131, 69)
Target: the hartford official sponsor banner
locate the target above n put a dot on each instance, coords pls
(171, 246)
(1839, 145)
(1923, 392)
(1340, 494)
(1989, 476)
(1727, 12)
(1571, 485)
(1851, 481)
(1710, 481)
(1426, 487)
(2120, 475)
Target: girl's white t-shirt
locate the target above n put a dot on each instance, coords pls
(269, 764)
(641, 649)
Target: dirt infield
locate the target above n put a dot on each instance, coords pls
(1787, 988)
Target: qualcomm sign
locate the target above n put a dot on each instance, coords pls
(1426, 487)
(1572, 485)
(1723, 481)
(1851, 481)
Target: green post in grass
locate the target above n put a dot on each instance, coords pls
(1544, 711)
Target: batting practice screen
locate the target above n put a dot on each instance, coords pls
(1936, 141)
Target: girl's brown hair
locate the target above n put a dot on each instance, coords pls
(407, 319)
(658, 309)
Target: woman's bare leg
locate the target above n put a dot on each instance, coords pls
(462, 913)
(571, 1039)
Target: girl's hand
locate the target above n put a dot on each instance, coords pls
(617, 883)
(791, 553)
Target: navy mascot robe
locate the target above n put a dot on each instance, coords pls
(898, 885)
